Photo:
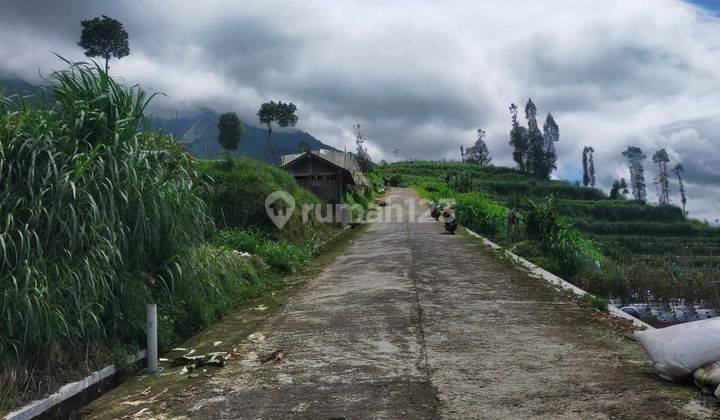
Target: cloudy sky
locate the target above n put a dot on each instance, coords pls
(423, 76)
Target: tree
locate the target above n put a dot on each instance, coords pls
(478, 152)
(661, 159)
(361, 154)
(462, 154)
(536, 149)
(303, 146)
(619, 187)
(591, 169)
(230, 130)
(518, 140)
(588, 167)
(635, 157)
(678, 171)
(551, 135)
(104, 37)
(276, 112)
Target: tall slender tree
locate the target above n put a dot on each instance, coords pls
(551, 135)
(362, 156)
(536, 149)
(462, 154)
(518, 140)
(281, 113)
(588, 167)
(635, 157)
(660, 158)
(478, 152)
(104, 37)
(678, 172)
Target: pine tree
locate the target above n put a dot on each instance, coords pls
(660, 158)
(551, 134)
(679, 170)
(518, 140)
(635, 157)
(478, 152)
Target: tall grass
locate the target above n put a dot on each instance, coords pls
(94, 218)
(279, 254)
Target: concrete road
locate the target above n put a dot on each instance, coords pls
(409, 322)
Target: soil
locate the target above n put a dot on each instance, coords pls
(410, 322)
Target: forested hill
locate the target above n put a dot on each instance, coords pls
(199, 132)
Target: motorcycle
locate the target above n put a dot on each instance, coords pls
(435, 211)
(450, 222)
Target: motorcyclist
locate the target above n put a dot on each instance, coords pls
(449, 219)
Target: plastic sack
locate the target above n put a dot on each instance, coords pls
(678, 350)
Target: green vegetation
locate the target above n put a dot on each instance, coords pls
(99, 215)
(645, 252)
(236, 197)
(595, 302)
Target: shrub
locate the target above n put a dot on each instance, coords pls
(279, 254)
(573, 254)
(480, 214)
(395, 181)
(237, 197)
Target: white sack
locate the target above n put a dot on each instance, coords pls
(678, 350)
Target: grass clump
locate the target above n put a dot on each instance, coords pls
(93, 216)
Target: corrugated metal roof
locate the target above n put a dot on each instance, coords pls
(343, 160)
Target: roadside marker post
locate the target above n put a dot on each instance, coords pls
(151, 332)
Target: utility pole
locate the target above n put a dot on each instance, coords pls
(396, 151)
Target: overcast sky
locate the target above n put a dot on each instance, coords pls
(423, 76)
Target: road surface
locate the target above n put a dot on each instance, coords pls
(409, 322)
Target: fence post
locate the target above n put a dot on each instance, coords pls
(151, 332)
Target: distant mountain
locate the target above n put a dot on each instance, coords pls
(199, 132)
(16, 87)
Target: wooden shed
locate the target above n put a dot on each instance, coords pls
(326, 173)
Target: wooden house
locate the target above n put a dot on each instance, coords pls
(326, 173)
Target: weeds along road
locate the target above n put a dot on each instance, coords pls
(409, 322)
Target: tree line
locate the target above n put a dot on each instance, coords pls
(534, 153)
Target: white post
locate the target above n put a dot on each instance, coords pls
(151, 332)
